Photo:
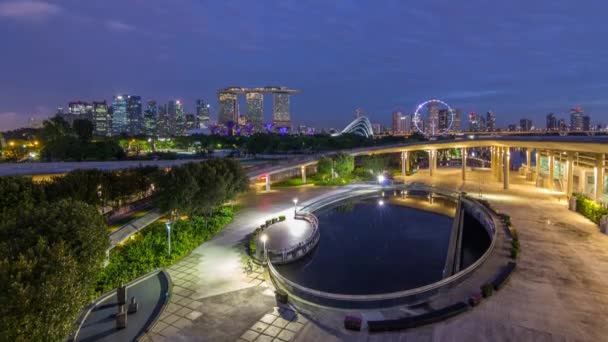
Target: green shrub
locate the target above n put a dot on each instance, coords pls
(148, 249)
(487, 290)
(268, 222)
(514, 233)
(506, 219)
(589, 208)
(282, 218)
(515, 244)
(514, 252)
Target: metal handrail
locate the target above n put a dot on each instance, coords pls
(312, 219)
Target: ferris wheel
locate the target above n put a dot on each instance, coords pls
(433, 117)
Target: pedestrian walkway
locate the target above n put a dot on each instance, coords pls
(132, 227)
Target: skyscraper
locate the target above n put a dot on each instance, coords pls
(228, 108)
(586, 123)
(576, 119)
(255, 110)
(473, 122)
(457, 124)
(101, 119)
(281, 117)
(397, 122)
(163, 122)
(444, 118)
(177, 121)
(150, 119)
(407, 124)
(134, 115)
(525, 125)
(490, 121)
(551, 122)
(203, 113)
(119, 115)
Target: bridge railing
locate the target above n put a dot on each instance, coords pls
(282, 256)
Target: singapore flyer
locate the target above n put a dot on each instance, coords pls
(433, 117)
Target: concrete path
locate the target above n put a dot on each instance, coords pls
(134, 226)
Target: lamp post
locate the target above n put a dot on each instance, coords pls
(264, 238)
(168, 225)
(295, 207)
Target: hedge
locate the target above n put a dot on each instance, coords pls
(589, 208)
(148, 249)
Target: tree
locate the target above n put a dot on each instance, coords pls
(344, 164)
(324, 166)
(50, 255)
(83, 129)
(374, 163)
(19, 192)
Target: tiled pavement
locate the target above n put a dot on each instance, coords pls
(281, 324)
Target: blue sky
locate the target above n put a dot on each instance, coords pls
(517, 58)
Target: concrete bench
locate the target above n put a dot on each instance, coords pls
(416, 321)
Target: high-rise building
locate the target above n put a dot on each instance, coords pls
(407, 124)
(397, 122)
(101, 119)
(377, 128)
(576, 119)
(445, 118)
(561, 125)
(512, 128)
(191, 122)
(228, 108)
(255, 110)
(203, 113)
(457, 123)
(586, 123)
(119, 115)
(433, 120)
(281, 118)
(490, 121)
(551, 122)
(474, 125)
(525, 125)
(134, 115)
(163, 122)
(150, 119)
(177, 120)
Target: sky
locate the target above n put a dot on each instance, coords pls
(516, 58)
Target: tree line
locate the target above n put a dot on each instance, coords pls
(53, 236)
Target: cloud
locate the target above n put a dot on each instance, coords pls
(119, 26)
(28, 9)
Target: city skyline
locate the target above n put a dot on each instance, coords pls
(521, 64)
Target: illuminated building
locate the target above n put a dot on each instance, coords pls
(444, 118)
(101, 119)
(397, 122)
(134, 115)
(255, 110)
(407, 124)
(473, 122)
(457, 123)
(586, 123)
(551, 122)
(576, 119)
(490, 121)
(228, 108)
(433, 119)
(150, 119)
(525, 125)
(281, 117)
(177, 121)
(163, 122)
(203, 113)
(119, 115)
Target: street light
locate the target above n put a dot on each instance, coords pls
(295, 207)
(168, 225)
(264, 238)
(380, 179)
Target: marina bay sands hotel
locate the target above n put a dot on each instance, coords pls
(229, 107)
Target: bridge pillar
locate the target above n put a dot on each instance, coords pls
(599, 177)
(404, 163)
(303, 173)
(432, 161)
(505, 167)
(537, 166)
(267, 182)
(500, 163)
(528, 163)
(551, 161)
(464, 163)
(570, 174)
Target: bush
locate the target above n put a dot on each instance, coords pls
(487, 290)
(282, 218)
(148, 250)
(253, 240)
(268, 223)
(514, 233)
(514, 252)
(589, 208)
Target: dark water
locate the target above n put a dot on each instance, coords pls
(475, 241)
(367, 248)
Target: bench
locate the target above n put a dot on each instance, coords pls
(416, 321)
(503, 276)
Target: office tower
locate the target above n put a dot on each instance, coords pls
(551, 122)
(177, 121)
(525, 125)
(474, 122)
(490, 121)
(377, 128)
(203, 113)
(561, 125)
(191, 122)
(407, 124)
(280, 107)
(445, 118)
(433, 120)
(482, 123)
(255, 110)
(134, 115)
(77, 108)
(586, 123)
(150, 119)
(101, 119)
(576, 119)
(163, 122)
(397, 122)
(228, 108)
(119, 115)
(512, 128)
(457, 123)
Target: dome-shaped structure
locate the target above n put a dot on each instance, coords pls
(360, 126)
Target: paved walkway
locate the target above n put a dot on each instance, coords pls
(134, 226)
(558, 292)
(286, 234)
